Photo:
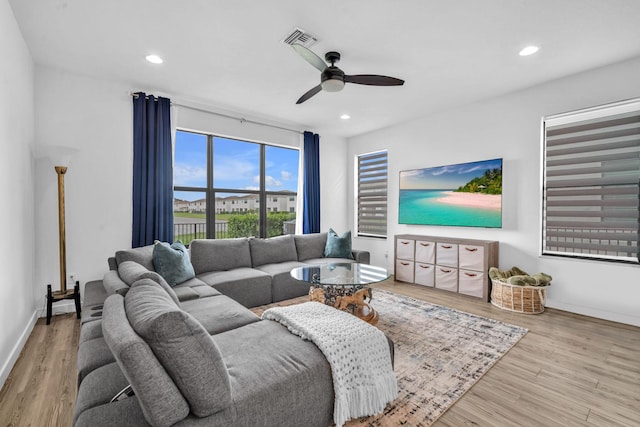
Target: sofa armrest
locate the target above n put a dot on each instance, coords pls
(113, 284)
(363, 257)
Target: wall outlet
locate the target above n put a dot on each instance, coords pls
(72, 278)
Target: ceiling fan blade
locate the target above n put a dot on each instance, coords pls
(373, 80)
(310, 57)
(309, 94)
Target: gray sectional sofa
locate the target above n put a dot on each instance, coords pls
(251, 271)
(194, 354)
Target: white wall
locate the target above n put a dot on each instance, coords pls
(333, 181)
(17, 307)
(509, 127)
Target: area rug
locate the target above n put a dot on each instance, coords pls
(439, 354)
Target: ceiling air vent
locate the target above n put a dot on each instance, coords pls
(299, 36)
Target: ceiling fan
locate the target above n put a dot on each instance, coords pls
(332, 78)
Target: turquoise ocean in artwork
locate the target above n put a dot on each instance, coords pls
(421, 207)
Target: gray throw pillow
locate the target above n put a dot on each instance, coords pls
(172, 262)
(338, 246)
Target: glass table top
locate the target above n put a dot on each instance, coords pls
(337, 274)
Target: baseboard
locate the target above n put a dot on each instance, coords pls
(599, 314)
(17, 349)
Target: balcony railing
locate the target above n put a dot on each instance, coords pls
(186, 232)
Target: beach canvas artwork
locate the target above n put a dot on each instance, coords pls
(465, 194)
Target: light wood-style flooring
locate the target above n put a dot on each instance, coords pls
(569, 370)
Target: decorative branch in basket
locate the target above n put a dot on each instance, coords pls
(518, 277)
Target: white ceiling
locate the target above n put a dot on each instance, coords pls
(229, 54)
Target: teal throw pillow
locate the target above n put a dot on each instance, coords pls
(338, 246)
(172, 262)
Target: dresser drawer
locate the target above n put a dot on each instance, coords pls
(447, 254)
(446, 278)
(424, 274)
(425, 252)
(471, 257)
(405, 248)
(404, 271)
(471, 283)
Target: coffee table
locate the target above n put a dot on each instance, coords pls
(344, 286)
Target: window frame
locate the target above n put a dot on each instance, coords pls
(582, 202)
(210, 191)
(358, 197)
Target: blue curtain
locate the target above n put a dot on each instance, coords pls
(311, 184)
(152, 171)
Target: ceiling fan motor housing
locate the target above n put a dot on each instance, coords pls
(332, 79)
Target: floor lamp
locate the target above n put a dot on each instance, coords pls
(61, 170)
(61, 155)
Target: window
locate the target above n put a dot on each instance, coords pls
(211, 173)
(591, 173)
(371, 194)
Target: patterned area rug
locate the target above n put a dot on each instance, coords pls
(439, 354)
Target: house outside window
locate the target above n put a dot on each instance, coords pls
(591, 183)
(221, 171)
(371, 194)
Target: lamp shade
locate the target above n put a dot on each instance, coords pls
(59, 155)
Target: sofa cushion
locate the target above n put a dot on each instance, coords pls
(283, 286)
(219, 255)
(194, 289)
(219, 314)
(142, 255)
(183, 346)
(113, 284)
(310, 245)
(98, 389)
(273, 250)
(285, 365)
(338, 246)
(130, 271)
(90, 331)
(249, 286)
(172, 262)
(161, 401)
(92, 354)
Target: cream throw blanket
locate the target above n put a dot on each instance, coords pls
(363, 378)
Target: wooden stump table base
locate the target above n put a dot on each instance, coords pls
(355, 304)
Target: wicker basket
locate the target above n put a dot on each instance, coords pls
(521, 299)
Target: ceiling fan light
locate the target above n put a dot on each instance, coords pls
(332, 85)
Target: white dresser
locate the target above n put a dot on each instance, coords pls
(455, 265)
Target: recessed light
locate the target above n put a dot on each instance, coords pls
(154, 59)
(345, 117)
(529, 50)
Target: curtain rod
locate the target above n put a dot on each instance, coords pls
(240, 119)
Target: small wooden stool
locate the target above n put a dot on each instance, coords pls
(59, 296)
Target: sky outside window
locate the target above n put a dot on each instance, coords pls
(190, 162)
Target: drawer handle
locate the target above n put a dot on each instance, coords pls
(445, 271)
(471, 274)
(404, 243)
(446, 247)
(404, 263)
(471, 249)
(423, 266)
(425, 244)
